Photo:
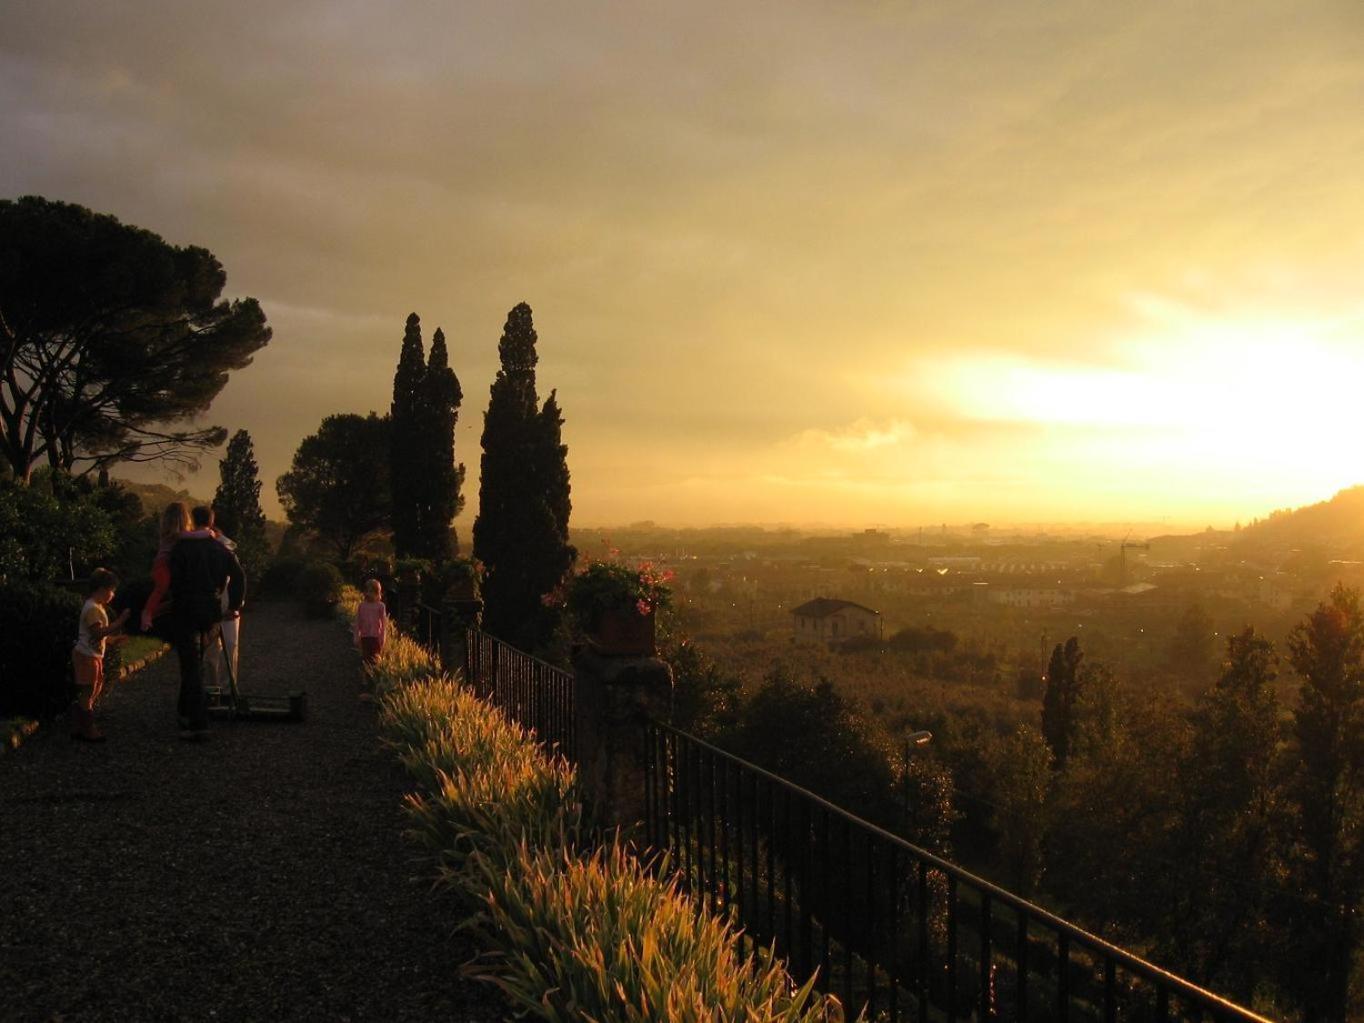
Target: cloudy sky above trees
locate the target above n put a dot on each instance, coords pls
(812, 261)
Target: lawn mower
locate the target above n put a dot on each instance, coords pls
(233, 703)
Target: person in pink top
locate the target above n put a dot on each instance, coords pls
(371, 623)
(175, 523)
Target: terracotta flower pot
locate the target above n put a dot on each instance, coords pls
(624, 633)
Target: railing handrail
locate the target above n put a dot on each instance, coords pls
(530, 690)
(1129, 961)
(519, 652)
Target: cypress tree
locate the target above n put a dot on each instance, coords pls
(405, 462)
(1327, 653)
(1059, 699)
(441, 478)
(520, 534)
(556, 555)
(236, 502)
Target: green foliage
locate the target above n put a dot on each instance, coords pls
(929, 804)
(1063, 692)
(1221, 922)
(706, 700)
(1114, 805)
(280, 578)
(1327, 652)
(348, 603)
(236, 504)
(442, 478)
(48, 528)
(815, 737)
(425, 480)
(404, 662)
(1020, 770)
(601, 939)
(405, 441)
(521, 533)
(571, 936)
(338, 487)
(483, 787)
(141, 320)
(35, 648)
(611, 586)
(318, 588)
(1193, 646)
(917, 640)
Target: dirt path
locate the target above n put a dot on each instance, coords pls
(261, 875)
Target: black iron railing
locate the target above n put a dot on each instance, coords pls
(892, 930)
(530, 691)
(429, 623)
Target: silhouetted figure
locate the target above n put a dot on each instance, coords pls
(201, 568)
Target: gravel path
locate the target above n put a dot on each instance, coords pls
(261, 875)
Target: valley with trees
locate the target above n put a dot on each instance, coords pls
(1164, 746)
(907, 564)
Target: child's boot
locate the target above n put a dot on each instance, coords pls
(87, 732)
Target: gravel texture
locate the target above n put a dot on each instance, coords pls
(261, 875)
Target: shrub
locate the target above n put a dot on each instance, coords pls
(572, 937)
(280, 578)
(45, 534)
(35, 648)
(318, 586)
(610, 586)
(403, 662)
(483, 786)
(349, 602)
(600, 939)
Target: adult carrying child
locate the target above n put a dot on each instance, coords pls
(204, 575)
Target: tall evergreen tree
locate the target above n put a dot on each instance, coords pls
(441, 478)
(556, 555)
(236, 503)
(405, 428)
(1327, 652)
(1219, 921)
(1059, 700)
(521, 533)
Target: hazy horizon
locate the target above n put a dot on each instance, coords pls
(801, 263)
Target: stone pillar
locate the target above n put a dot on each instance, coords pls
(458, 615)
(613, 698)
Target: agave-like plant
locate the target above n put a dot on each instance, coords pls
(571, 935)
(600, 938)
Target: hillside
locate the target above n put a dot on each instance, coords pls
(1336, 526)
(155, 496)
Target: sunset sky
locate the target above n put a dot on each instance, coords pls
(803, 261)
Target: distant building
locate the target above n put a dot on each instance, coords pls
(1030, 596)
(825, 620)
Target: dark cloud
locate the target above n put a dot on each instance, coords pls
(724, 216)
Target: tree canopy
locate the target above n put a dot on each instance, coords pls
(425, 479)
(337, 488)
(1064, 683)
(404, 440)
(111, 340)
(236, 503)
(521, 533)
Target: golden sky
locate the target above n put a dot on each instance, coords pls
(803, 261)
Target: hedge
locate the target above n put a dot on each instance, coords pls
(39, 627)
(573, 932)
